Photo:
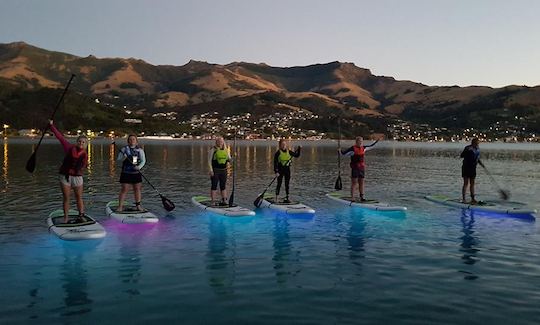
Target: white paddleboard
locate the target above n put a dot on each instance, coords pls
(292, 207)
(484, 206)
(368, 204)
(205, 203)
(130, 214)
(89, 229)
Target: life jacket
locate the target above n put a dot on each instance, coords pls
(284, 158)
(133, 159)
(357, 159)
(219, 159)
(74, 162)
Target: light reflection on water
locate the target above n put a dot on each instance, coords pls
(430, 264)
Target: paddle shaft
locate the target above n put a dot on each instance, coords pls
(494, 181)
(33, 157)
(55, 109)
(231, 198)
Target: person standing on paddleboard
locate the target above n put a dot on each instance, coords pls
(133, 160)
(282, 166)
(358, 165)
(71, 171)
(471, 158)
(218, 158)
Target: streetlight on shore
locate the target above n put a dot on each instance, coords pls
(6, 126)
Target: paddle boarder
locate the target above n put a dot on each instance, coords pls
(282, 166)
(133, 160)
(358, 165)
(218, 158)
(471, 158)
(71, 171)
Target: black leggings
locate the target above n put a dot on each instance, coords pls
(220, 176)
(283, 172)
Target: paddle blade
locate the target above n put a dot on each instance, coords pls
(338, 186)
(505, 195)
(231, 200)
(167, 204)
(258, 200)
(31, 163)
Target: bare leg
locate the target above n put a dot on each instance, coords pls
(66, 193)
(213, 194)
(123, 192)
(473, 200)
(464, 189)
(361, 187)
(78, 196)
(137, 191)
(224, 195)
(353, 185)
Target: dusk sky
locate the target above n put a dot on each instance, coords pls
(481, 42)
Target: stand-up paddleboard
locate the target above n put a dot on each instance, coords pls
(87, 228)
(292, 207)
(205, 203)
(130, 214)
(483, 206)
(368, 204)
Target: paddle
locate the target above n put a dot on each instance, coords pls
(505, 195)
(338, 185)
(231, 198)
(167, 204)
(31, 163)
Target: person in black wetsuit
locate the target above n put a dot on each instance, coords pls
(471, 157)
(282, 166)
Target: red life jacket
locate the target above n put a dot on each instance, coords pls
(357, 160)
(74, 162)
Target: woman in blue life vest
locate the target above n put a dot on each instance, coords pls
(218, 158)
(471, 157)
(358, 165)
(282, 166)
(133, 160)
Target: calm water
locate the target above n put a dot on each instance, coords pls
(342, 266)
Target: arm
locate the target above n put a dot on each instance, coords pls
(143, 159)
(210, 156)
(464, 152)
(367, 148)
(276, 162)
(121, 155)
(295, 153)
(349, 152)
(65, 144)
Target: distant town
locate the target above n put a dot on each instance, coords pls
(280, 124)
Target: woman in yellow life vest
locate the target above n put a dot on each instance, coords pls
(358, 165)
(282, 166)
(218, 157)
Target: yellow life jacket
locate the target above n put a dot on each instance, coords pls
(284, 158)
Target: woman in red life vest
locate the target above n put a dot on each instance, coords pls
(358, 165)
(71, 171)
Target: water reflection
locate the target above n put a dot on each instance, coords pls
(5, 166)
(129, 271)
(220, 257)
(112, 161)
(355, 237)
(468, 244)
(285, 259)
(75, 283)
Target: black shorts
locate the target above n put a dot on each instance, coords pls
(126, 178)
(467, 171)
(358, 173)
(220, 176)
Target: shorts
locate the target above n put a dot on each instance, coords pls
(469, 172)
(126, 178)
(71, 181)
(358, 173)
(220, 176)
